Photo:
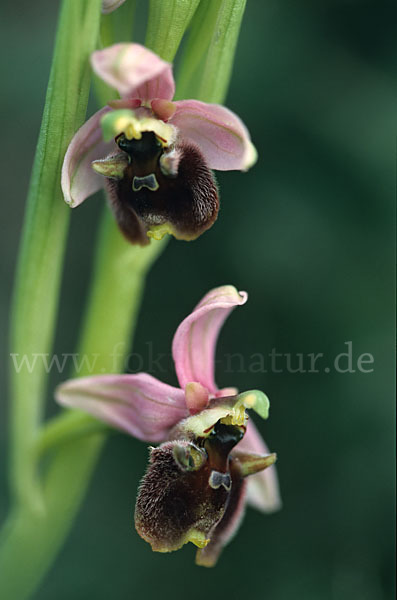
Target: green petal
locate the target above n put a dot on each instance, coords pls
(114, 122)
(256, 400)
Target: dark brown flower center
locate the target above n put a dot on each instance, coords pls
(186, 489)
(144, 153)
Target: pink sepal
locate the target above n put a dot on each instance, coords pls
(194, 343)
(138, 404)
(220, 134)
(78, 179)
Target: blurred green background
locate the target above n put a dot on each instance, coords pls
(309, 233)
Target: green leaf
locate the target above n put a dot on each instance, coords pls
(168, 20)
(44, 233)
(201, 30)
(117, 26)
(206, 75)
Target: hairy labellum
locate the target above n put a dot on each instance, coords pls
(193, 491)
(186, 489)
(232, 517)
(155, 190)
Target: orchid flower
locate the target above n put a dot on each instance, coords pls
(195, 488)
(153, 155)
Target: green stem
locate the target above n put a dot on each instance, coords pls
(71, 426)
(118, 282)
(44, 237)
(35, 302)
(30, 541)
(72, 442)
